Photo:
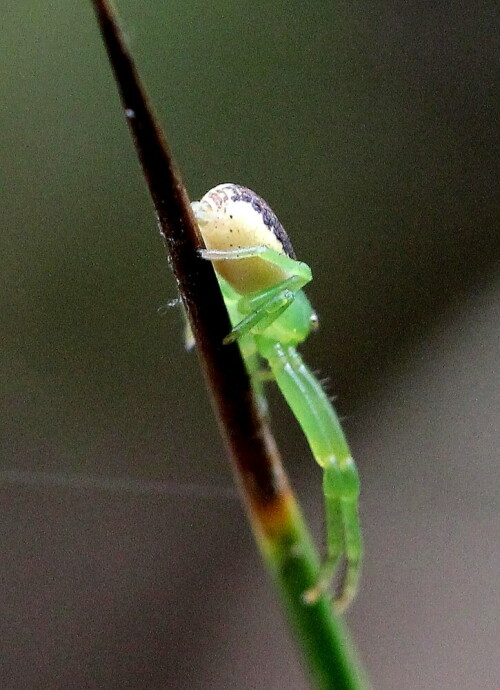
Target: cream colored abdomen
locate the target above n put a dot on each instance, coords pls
(237, 225)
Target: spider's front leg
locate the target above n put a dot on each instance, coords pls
(316, 415)
(341, 494)
(262, 307)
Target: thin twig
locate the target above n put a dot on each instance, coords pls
(247, 434)
(275, 516)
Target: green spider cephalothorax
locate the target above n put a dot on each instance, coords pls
(262, 282)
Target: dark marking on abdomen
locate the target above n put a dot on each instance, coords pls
(269, 218)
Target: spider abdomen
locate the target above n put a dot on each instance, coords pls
(232, 217)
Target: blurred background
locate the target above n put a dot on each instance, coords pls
(370, 128)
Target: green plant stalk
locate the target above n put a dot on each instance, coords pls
(280, 531)
(292, 559)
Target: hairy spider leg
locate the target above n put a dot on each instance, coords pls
(315, 414)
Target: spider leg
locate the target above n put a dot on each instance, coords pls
(264, 306)
(341, 492)
(315, 414)
(267, 254)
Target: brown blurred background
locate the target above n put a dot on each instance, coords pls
(126, 560)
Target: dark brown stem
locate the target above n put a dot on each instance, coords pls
(248, 437)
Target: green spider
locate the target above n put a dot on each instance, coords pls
(261, 282)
